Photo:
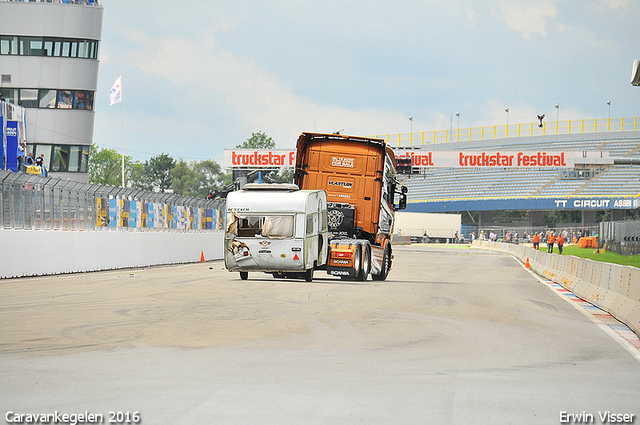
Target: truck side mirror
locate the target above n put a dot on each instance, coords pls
(402, 204)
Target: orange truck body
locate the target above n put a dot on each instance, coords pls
(359, 177)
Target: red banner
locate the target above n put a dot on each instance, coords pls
(259, 158)
(503, 159)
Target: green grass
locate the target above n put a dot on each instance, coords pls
(590, 253)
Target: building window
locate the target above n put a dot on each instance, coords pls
(66, 48)
(65, 99)
(29, 98)
(8, 45)
(83, 49)
(48, 46)
(93, 49)
(47, 99)
(9, 95)
(84, 100)
(31, 46)
(84, 159)
(60, 160)
(63, 158)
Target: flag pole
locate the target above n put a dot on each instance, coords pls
(122, 125)
(115, 96)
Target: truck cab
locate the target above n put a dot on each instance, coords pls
(359, 177)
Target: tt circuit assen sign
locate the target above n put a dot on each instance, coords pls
(612, 203)
(596, 204)
(259, 158)
(501, 159)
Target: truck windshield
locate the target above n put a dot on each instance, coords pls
(266, 226)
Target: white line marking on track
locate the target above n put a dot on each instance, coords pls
(634, 351)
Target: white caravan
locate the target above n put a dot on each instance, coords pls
(276, 228)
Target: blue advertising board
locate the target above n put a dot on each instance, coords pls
(12, 145)
(1, 142)
(554, 203)
(114, 209)
(133, 214)
(151, 215)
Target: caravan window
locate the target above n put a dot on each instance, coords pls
(310, 220)
(266, 226)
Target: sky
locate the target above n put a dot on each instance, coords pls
(202, 76)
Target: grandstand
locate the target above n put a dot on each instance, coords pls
(600, 185)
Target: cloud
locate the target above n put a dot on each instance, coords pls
(258, 99)
(613, 4)
(529, 18)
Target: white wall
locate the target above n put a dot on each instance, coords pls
(437, 225)
(42, 252)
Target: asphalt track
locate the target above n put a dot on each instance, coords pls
(454, 336)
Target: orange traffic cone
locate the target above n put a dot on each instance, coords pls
(527, 265)
(202, 256)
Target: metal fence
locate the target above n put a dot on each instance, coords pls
(621, 237)
(595, 125)
(620, 231)
(525, 233)
(30, 201)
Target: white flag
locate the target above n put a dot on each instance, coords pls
(115, 94)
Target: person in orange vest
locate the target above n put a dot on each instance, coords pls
(536, 241)
(550, 241)
(560, 242)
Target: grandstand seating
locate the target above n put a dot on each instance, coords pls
(455, 184)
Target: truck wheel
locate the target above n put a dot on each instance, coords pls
(244, 275)
(386, 264)
(357, 260)
(366, 265)
(308, 275)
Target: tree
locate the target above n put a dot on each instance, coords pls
(136, 176)
(209, 176)
(157, 171)
(197, 179)
(183, 178)
(105, 167)
(257, 140)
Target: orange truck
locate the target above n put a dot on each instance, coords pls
(358, 175)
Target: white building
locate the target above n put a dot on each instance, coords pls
(49, 65)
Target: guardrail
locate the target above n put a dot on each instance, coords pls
(596, 125)
(610, 287)
(31, 202)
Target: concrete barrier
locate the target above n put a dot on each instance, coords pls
(400, 239)
(45, 252)
(610, 287)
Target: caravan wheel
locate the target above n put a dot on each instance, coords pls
(308, 275)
